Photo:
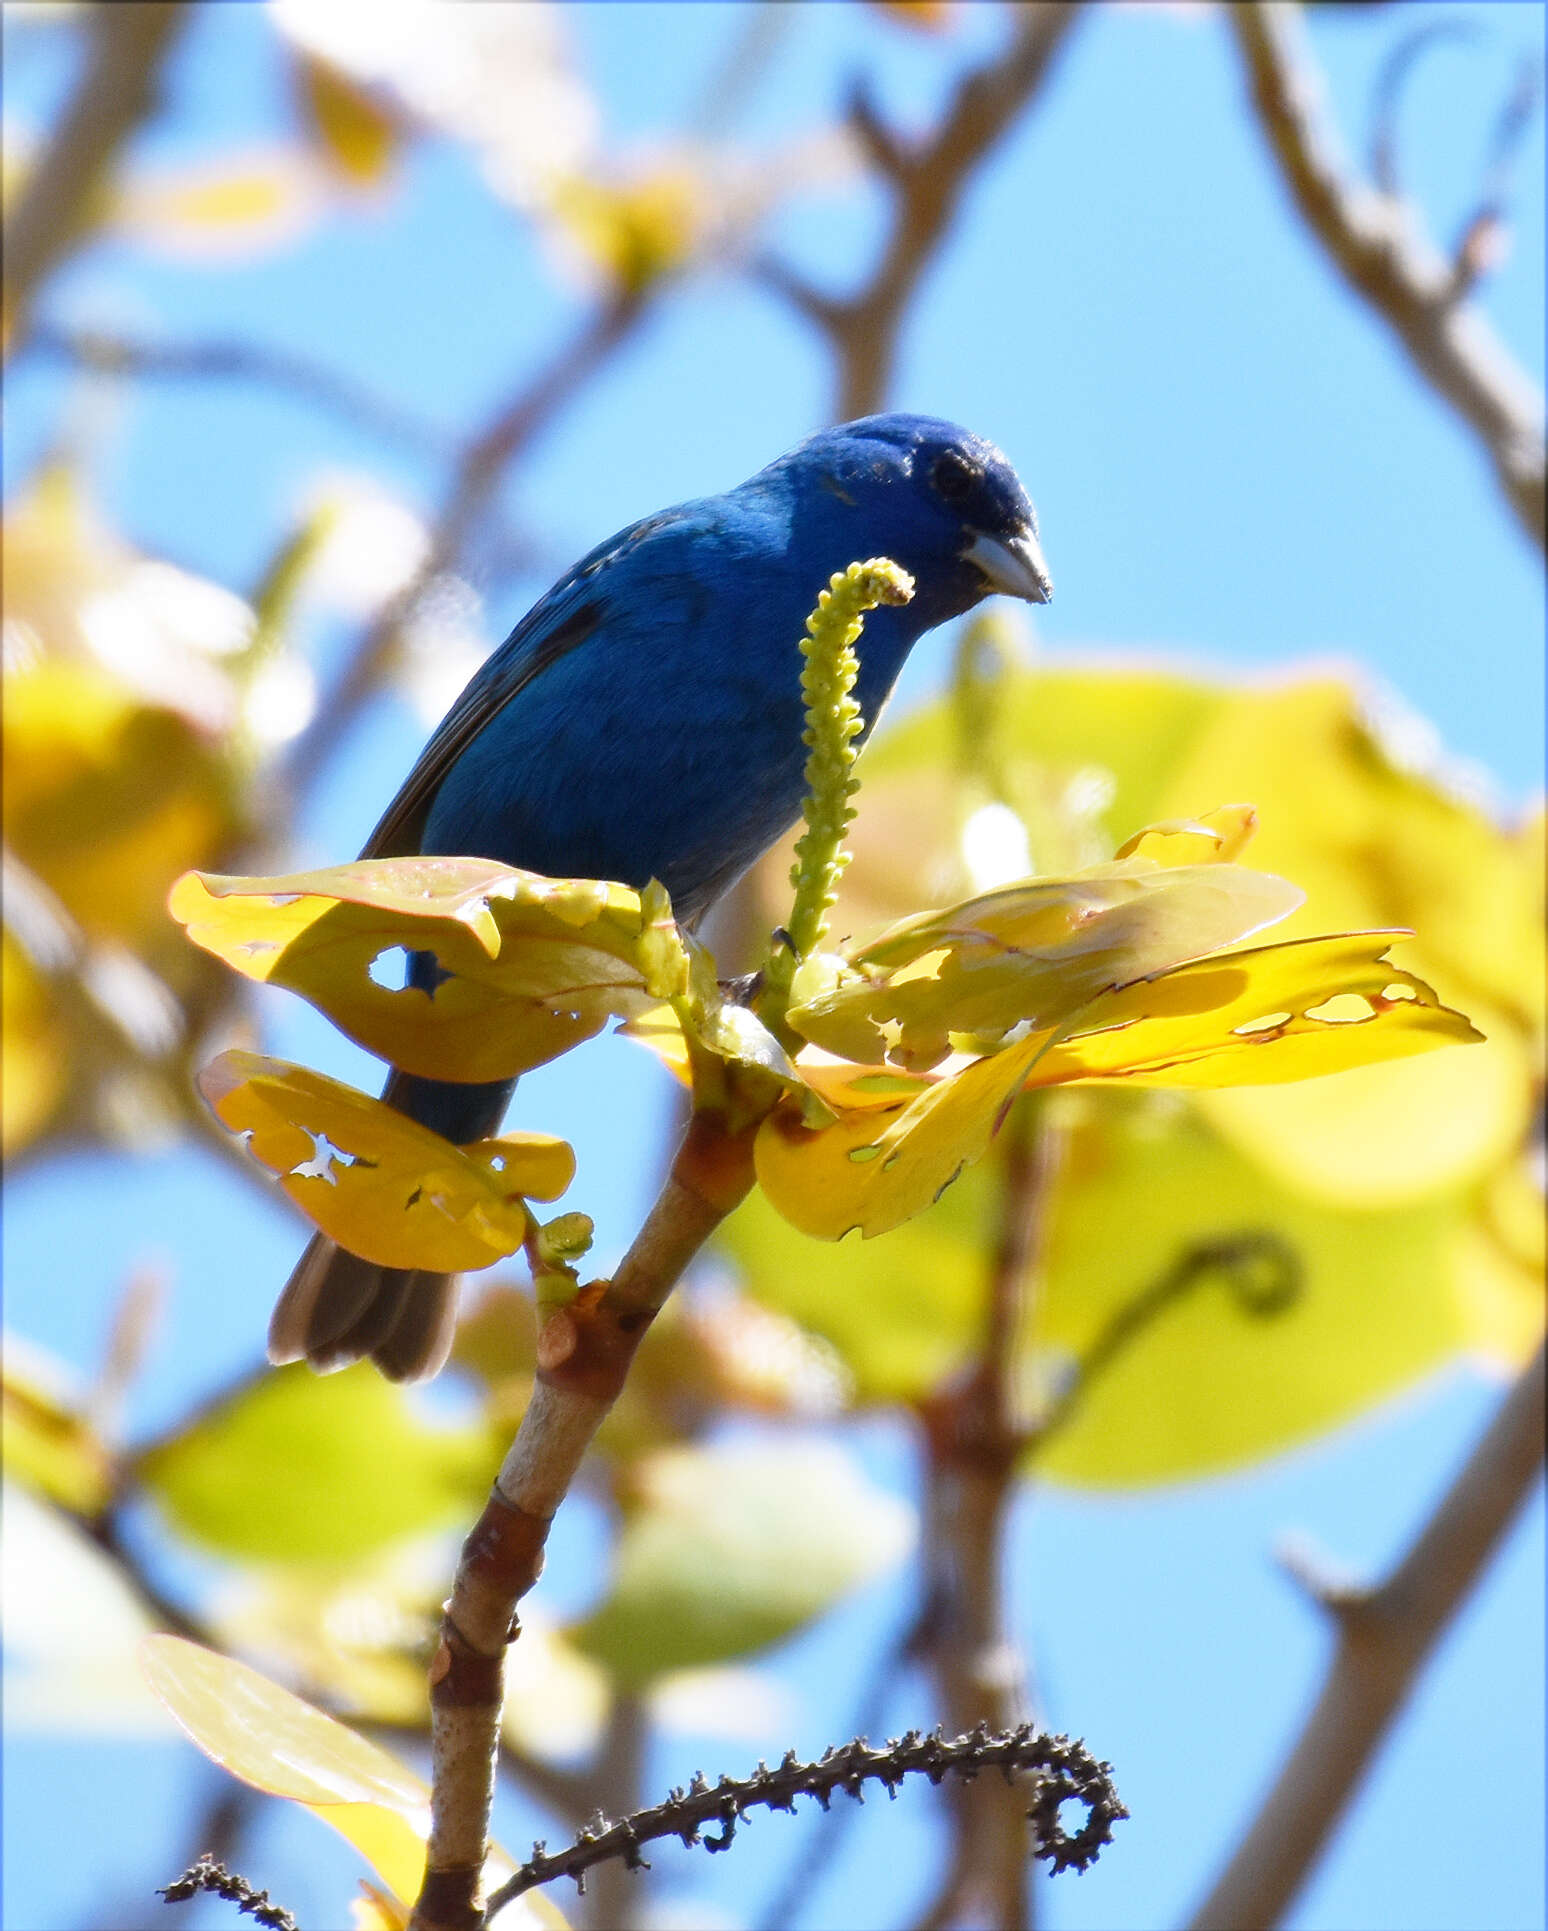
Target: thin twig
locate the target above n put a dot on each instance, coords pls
(116, 92)
(480, 469)
(927, 179)
(1063, 1768)
(975, 1437)
(207, 1875)
(584, 1352)
(297, 375)
(1375, 242)
(1385, 1636)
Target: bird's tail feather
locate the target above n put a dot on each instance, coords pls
(336, 1308)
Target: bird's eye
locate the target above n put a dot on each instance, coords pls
(954, 477)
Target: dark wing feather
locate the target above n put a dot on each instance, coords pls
(565, 617)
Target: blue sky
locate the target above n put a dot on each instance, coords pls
(1233, 464)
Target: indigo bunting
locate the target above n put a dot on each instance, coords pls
(643, 721)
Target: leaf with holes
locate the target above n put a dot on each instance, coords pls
(1277, 1013)
(531, 966)
(1274, 1014)
(1031, 955)
(374, 1180)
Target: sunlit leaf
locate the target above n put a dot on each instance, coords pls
(107, 798)
(49, 1444)
(874, 1169)
(1206, 1384)
(275, 1742)
(1273, 1014)
(228, 208)
(726, 1549)
(1389, 1133)
(293, 1468)
(36, 1047)
(636, 230)
(902, 1314)
(1220, 835)
(1031, 954)
(356, 133)
(536, 965)
(374, 1180)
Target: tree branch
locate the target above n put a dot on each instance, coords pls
(296, 375)
(928, 180)
(480, 468)
(1385, 1636)
(116, 92)
(1374, 242)
(584, 1351)
(975, 1436)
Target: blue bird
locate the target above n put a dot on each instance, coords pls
(643, 721)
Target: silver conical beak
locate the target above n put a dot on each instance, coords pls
(1013, 565)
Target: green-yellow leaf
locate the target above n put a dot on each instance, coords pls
(374, 1180)
(49, 1444)
(277, 1743)
(726, 1549)
(536, 964)
(297, 1469)
(1206, 1385)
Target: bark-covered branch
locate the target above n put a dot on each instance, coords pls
(116, 92)
(1385, 1636)
(927, 179)
(975, 1434)
(584, 1352)
(1376, 243)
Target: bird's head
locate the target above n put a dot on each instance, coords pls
(942, 502)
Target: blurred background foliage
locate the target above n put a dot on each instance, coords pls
(1359, 1233)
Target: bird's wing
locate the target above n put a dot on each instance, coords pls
(565, 617)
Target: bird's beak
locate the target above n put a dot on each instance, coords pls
(1013, 565)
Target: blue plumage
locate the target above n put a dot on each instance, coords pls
(644, 721)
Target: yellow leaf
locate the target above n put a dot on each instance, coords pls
(635, 230)
(225, 209)
(927, 16)
(1205, 1384)
(36, 1050)
(49, 1444)
(374, 1180)
(1220, 835)
(535, 965)
(1380, 1135)
(358, 135)
(877, 1168)
(1279, 1012)
(278, 1743)
(1031, 955)
(1374, 841)
(106, 797)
